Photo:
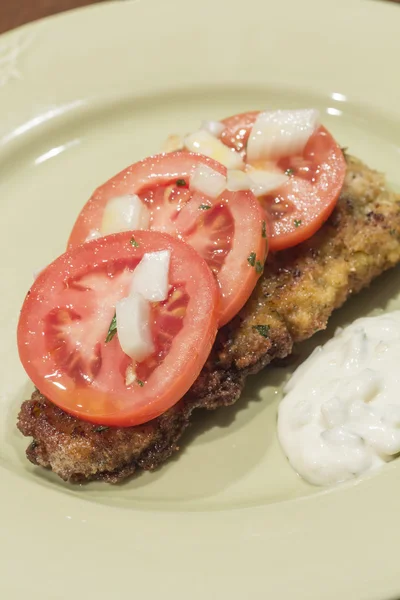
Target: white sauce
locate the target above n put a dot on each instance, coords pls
(340, 416)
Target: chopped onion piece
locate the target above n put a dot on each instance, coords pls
(213, 127)
(237, 181)
(172, 143)
(133, 326)
(281, 133)
(205, 143)
(263, 182)
(150, 278)
(204, 179)
(124, 213)
(130, 374)
(94, 234)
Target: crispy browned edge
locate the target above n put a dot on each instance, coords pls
(295, 297)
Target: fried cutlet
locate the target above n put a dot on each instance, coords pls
(293, 299)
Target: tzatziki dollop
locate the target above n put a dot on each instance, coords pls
(340, 416)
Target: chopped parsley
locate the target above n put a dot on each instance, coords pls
(264, 230)
(289, 172)
(181, 182)
(134, 243)
(259, 267)
(262, 330)
(100, 428)
(204, 207)
(297, 222)
(252, 259)
(140, 382)
(112, 330)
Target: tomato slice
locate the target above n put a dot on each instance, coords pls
(300, 207)
(225, 231)
(67, 314)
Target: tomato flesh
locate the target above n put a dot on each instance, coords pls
(300, 207)
(224, 230)
(211, 230)
(66, 317)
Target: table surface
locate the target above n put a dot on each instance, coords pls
(17, 12)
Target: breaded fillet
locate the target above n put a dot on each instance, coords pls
(293, 299)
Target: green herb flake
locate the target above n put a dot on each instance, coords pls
(140, 382)
(134, 243)
(259, 267)
(264, 229)
(252, 259)
(181, 182)
(112, 330)
(297, 222)
(204, 207)
(289, 172)
(262, 330)
(100, 428)
(392, 232)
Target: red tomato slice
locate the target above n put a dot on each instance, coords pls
(226, 231)
(300, 207)
(67, 314)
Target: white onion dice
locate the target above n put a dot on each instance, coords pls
(213, 127)
(124, 213)
(264, 182)
(281, 133)
(207, 181)
(134, 327)
(237, 181)
(94, 234)
(205, 143)
(150, 278)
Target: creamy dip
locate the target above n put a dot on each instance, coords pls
(340, 416)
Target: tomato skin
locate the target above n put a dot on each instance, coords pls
(156, 170)
(236, 277)
(107, 399)
(237, 130)
(311, 192)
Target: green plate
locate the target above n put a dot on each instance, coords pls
(82, 96)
